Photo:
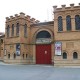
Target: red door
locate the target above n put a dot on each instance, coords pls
(43, 54)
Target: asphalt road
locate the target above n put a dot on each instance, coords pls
(37, 72)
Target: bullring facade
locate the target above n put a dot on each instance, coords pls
(57, 42)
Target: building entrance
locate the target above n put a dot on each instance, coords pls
(43, 54)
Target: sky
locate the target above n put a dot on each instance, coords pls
(39, 9)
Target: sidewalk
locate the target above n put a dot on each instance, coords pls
(66, 66)
(2, 63)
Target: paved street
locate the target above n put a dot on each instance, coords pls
(37, 72)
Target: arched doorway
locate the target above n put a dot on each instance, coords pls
(43, 47)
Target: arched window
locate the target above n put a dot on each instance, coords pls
(43, 34)
(17, 29)
(8, 31)
(26, 55)
(12, 30)
(77, 22)
(64, 55)
(68, 23)
(1, 41)
(25, 30)
(8, 56)
(14, 55)
(75, 55)
(60, 24)
(23, 56)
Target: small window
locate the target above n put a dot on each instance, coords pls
(64, 55)
(17, 29)
(1, 41)
(8, 31)
(25, 30)
(12, 30)
(8, 56)
(14, 55)
(23, 56)
(26, 55)
(75, 55)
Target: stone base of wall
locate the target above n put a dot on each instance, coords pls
(20, 61)
(67, 63)
(1, 59)
(11, 61)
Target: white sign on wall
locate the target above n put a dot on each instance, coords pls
(43, 40)
(58, 46)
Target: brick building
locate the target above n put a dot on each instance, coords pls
(2, 46)
(28, 41)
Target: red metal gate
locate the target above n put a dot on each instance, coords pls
(43, 54)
